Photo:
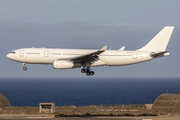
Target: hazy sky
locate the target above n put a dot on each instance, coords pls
(88, 24)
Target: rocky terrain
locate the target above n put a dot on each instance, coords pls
(165, 104)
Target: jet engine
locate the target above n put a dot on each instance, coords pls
(65, 64)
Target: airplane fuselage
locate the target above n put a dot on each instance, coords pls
(107, 58)
(86, 58)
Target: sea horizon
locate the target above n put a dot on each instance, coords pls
(86, 91)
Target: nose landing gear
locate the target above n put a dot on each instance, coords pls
(24, 68)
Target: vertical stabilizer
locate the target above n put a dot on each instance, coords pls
(160, 41)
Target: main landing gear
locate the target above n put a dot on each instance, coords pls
(88, 71)
(24, 68)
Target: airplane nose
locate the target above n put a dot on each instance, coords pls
(8, 56)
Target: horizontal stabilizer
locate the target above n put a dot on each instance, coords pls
(159, 54)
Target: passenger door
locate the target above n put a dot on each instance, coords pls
(46, 53)
(134, 55)
(22, 53)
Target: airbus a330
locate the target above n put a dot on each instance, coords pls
(87, 58)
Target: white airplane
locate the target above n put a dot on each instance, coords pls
(86, 58)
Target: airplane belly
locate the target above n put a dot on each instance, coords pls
(125, 60)
(33, 59)
(114, 61)
(48, 60)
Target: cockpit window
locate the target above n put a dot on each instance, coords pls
(13, 52)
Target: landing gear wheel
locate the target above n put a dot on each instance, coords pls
(87, 70)
(88, 73)
(24, 68)
(92, 72)
(83, 70)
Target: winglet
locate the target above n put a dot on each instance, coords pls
(104, 48)
(122, 48)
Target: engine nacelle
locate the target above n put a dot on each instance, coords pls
(65, 64)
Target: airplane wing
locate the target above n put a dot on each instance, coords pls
(88, 57)
(159, 54)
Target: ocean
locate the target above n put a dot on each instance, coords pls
(86, 91)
